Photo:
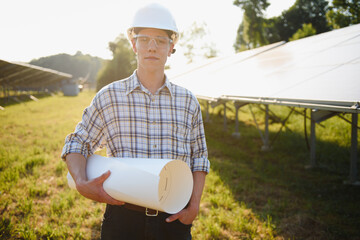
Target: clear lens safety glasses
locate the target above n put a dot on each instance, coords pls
(160, 42)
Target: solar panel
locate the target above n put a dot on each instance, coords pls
(318, 70)
(321, 72)
(26, 76)
(201, 80)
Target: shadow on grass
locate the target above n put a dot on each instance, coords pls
(302, 203)
(22, 98)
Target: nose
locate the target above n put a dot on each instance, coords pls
(152, 44)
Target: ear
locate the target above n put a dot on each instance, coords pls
(133, 44)
(171, 49)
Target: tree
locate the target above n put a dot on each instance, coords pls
(306, 31)
(251, 31)
(192, 40)
(290, 24)
(302, 12)
(80, 66)
(343, 13)
(122, 65)
(271, 31)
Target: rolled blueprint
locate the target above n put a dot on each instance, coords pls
(162, 184)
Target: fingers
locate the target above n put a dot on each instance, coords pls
(103, 177)
(173, 217)
(106, 197)
(185, 216)
(94, 190)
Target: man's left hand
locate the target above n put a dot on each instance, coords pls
(185, 216)
(188, 214)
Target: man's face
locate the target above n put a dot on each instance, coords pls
(152, 47)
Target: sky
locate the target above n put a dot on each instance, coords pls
(32, 29)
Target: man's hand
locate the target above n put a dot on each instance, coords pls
(188, 214)
(93, 189)
(185, 216)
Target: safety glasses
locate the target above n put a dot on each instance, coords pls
(160, 42)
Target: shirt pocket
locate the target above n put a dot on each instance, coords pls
(178, 142)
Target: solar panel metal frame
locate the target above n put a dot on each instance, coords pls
(23, 75)
(215, 82)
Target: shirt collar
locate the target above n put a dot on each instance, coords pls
(134, 83)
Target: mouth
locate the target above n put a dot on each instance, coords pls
(152, 58)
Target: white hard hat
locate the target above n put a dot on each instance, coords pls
(154, 16)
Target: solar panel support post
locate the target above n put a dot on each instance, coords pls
(353, 152)
(312, 140)
(237, 106)
(236, 133)
(317, 116)
(217, 103)
(207, 111)
(266, 145)
(225, 119)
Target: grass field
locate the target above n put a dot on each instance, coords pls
(249, 194)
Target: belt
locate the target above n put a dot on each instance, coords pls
(148, 211)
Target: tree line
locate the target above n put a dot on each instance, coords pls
(82, 67)
(304, 18)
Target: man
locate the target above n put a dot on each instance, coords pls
(143, 116)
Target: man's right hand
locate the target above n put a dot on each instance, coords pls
(93, 189)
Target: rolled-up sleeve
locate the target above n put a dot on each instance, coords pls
(88, 134)
(200, 161)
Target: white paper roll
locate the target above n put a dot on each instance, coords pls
(162, 184)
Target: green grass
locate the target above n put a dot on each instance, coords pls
(35, 200)
(297, 203)
(249, 194)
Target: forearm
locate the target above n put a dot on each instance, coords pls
(76, 164)
(188, 214)
(199, 183)
(92, 189)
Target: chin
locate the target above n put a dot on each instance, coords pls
(153, 66)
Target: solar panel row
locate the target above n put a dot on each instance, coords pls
(322, 71)
(22, 76)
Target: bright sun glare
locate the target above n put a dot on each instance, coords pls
(42, 28)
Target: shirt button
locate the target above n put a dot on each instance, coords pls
(153, 99)
(153, 122)
(154, 146)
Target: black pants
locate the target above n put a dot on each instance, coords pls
(122, 223)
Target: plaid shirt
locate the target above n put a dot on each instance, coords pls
(133, 123)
